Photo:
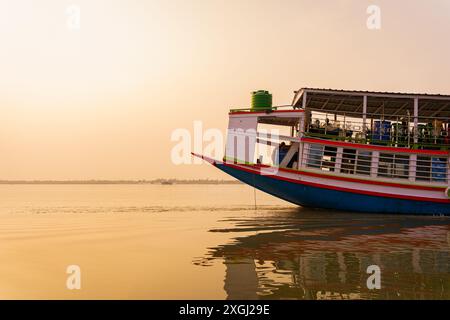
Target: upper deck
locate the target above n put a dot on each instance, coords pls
(387, 137)
(404, 120)
(416, 121)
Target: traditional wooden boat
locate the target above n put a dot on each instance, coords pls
(356, 151)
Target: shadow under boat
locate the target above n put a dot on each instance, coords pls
(315, 254)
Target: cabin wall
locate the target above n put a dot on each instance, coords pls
(241, 139)
(244, 140)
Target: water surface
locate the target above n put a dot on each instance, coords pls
(209, 242)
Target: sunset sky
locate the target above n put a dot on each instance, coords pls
(101, 102)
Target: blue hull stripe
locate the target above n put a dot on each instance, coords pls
(309, 196)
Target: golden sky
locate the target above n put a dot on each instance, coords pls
(101, 102)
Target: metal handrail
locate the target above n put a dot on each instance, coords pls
(369, 115)
(355, 169)
(250, 109)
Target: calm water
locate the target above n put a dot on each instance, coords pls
(209, 242)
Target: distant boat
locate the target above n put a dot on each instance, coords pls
(166, 182)
(360, 151)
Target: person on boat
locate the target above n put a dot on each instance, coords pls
(282, 150)
(403, 132)
(331, 129)
(294, 161)
(438, 131)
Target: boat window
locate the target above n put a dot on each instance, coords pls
(431, 169)
(393, 166)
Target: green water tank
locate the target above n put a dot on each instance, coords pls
(261, 100)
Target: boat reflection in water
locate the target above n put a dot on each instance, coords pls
(312, 254)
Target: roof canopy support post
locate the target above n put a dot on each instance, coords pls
(416, 120)
(305, 96)
(364, 115)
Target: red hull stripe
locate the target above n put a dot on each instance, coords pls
(323, 186)
(375, 148)
(348, 179)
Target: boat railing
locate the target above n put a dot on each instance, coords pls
(389, 130)
(417, 167)
(268, 110)
(395, 130)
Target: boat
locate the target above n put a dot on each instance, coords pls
(355, 151)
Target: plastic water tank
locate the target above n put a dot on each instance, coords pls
(261, 100)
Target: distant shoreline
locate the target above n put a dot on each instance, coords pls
(118, 182)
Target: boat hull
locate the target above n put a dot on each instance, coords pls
(312, 196)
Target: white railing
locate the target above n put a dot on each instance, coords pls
(352, 161)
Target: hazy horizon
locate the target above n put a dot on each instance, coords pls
(101, 102)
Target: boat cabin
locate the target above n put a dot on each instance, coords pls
(370, 135)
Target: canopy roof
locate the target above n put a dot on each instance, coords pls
(390, 104)
(279, 121)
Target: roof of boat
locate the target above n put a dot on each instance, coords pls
(389, 103)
